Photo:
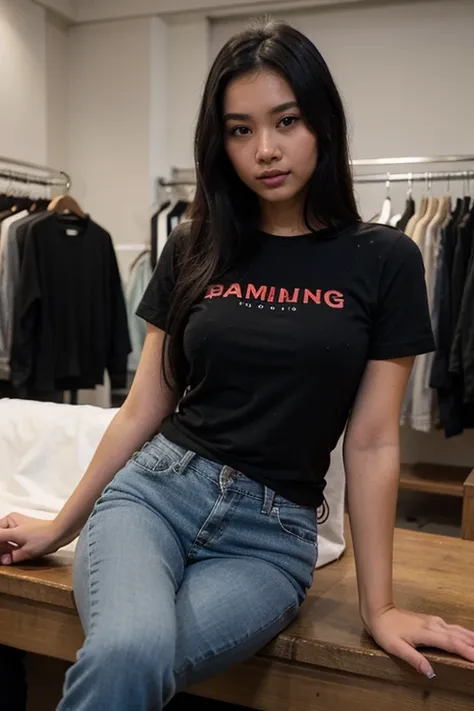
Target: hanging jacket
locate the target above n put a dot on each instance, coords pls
(462, 350)
(441, 379)
(448, 373)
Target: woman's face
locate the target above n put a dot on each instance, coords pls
(272, 149)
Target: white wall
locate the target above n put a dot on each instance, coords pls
(22, 80)
(135, 87)
(57, 93)
(110, 113)
(34, 81)
(159, 127)
(189, 61)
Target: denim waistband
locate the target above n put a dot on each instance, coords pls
(223, 475)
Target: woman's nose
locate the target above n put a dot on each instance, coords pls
(267, 147)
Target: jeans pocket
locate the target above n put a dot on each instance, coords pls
(298, 521)
(152, 459)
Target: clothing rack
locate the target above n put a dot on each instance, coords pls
(184, 177)
(412, 177)
(427, 177)
(426, 160)
(34, 174)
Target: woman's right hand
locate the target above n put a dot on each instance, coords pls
(24, 537)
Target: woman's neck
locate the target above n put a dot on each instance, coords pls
(283, 219)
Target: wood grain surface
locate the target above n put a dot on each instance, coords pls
(468, 508)
(324, 654)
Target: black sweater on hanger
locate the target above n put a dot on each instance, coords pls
(461, 359)
(448, 378)
(70, 322)
(407, 214)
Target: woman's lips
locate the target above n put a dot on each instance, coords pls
(274, 181)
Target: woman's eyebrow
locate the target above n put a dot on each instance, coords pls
(276, 110)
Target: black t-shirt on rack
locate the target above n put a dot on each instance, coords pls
(277, 348)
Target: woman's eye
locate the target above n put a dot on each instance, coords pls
(289, 120)
(239, 131)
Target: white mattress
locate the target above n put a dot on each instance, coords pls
(46, 447)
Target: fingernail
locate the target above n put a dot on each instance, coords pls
(431, 675)
(6, 560)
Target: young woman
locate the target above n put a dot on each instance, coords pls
(276, 318)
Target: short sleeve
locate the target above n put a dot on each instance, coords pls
(156, 301)
(402, 323)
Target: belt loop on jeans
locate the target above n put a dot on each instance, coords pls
(268, 499)
(183, 463)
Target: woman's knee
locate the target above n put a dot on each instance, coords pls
(131, 650)
(129, 668)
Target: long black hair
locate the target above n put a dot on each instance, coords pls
(225, 212)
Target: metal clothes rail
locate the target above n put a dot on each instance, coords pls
(33, 174)
(184, 177)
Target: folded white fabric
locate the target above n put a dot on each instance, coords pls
(46, 447)
(44, 450)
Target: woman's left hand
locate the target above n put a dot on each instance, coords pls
(399, 632)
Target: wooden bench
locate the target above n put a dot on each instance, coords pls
(445, 480)
(322, 662)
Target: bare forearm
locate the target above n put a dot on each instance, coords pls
(125, 435)
(372, 481)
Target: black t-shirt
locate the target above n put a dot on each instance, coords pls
(277, 348)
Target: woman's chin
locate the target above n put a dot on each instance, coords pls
(274, 195)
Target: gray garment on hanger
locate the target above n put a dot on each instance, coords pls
(9, 279)
(139, 279)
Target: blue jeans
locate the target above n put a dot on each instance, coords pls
(184, 569)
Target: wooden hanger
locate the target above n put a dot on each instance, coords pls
(66, 204)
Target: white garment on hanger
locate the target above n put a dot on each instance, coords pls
(421, 416)
(386, 211)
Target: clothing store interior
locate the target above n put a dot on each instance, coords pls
(97, 167)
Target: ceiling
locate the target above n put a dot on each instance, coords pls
(85, 11)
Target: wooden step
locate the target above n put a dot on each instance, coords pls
(433, 478)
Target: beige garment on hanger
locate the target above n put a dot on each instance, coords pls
(421, 226)
(423, 402)
(418, 234)
(433, 235)
(412, 222)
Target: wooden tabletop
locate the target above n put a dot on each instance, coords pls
(47, 581)
(433, 574)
